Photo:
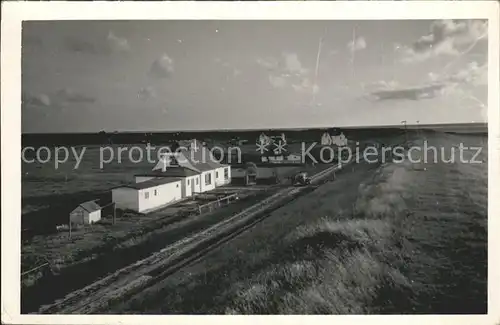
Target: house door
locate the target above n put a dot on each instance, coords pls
(193, 188)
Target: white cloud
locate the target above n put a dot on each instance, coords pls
(289, 73)
(288, 65)
(381, 85)
(236, 72)
(146, 93)
(38, 100)
(293, 64)
(118, 44)
(102, 45)
(162, 67)
(472, 74)
(70, 96)
(463, 82)
(433, 76)
(229, 67)
(446, 37)
(268, 63)
(60, 98)
(446, 47)
(306, 86)
(277, 81)
(357, 44)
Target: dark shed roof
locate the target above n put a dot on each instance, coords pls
(90, 206)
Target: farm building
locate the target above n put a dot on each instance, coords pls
(148, 195)
(245, 174)
(338, 140)
(85, 213)
(196, 166)
(294, 158)
(291, 158)
(261, 173)
(177, 176)
(190, 179)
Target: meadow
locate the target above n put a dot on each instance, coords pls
(380, 239)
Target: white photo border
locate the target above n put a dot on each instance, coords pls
(14, 13)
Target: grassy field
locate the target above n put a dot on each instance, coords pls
(394, 238)
(97, 250)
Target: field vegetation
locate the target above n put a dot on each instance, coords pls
(380, 239)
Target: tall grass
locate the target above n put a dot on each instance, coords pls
(389, 254)
(394, 239)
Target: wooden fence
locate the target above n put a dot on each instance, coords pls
(210, 206)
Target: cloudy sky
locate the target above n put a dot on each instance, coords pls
(84, 76)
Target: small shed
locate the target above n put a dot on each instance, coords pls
(85, 213)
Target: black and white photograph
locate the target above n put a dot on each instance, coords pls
(254, 166)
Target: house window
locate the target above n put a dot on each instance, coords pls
(208, 179)
(156, 192)
(188, 181)
(226, 173)
(146, 195)
(197, 181)
(217, 174)
(177, 185)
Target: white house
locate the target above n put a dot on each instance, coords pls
(196, 165)
(222, 173)
(148, 195)
(190, 180)
(85, 213)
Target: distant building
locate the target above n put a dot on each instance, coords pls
(277, 159)
(149, 195)
(85, 213)
(326, 140)
(295, 158)
(337, 140)
(262, 172)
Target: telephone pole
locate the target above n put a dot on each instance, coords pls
(406, 134)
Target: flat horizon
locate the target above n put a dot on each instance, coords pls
(437, 125)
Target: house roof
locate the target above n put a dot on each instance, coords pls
(197, 158)
(90, 206)
(203, 167)
(172, 172)
(151, 183)
(201, 158)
